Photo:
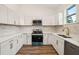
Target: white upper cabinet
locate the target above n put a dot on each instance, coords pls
(28, 20)
(10, 17)
(49, 20)
(3, 14)
(17, 20)
(13, 17)
(61, 20)
(21, 20)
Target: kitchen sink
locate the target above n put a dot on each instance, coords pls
(64, 36)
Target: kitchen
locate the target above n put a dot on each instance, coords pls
(30, 29)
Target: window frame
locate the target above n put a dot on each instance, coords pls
(67, 15)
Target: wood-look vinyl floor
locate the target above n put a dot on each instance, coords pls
(37, 50)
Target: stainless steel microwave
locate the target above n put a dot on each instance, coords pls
(37, 22)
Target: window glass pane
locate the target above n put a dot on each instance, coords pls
(71, 10)
(71, 14)
(71, 19)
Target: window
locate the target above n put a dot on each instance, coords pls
(71, 14)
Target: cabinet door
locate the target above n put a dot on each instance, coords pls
(50, 38)
(14, 49)
(28, 22)
(10, 17)
(18, 43)
(29, 39)
(55, 42)
(17, 20)
(6, 48)
(25, 41)
(60, 46)
(21, 20)
(3, 14)
(61, 21)
(45, 39)
(48, 20)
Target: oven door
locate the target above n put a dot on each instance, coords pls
(37, 40)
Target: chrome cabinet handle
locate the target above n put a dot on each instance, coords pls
(57, 42)
(11, 46)
(17, 41)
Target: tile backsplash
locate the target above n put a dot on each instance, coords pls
(74, 28)
(8, 30)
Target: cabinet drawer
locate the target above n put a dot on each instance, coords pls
(6, 48)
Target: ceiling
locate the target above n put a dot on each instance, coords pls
(22, 8)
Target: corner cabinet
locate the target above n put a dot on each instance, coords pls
(9, 47)
(6, 48)
(9, 16)
(12, 45)
(58, 44)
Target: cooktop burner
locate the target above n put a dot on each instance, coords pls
(37, 31)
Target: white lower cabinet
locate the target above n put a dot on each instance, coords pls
(50, 38)
(58, 44)
(24, 38)
(6, 48)
(55, 42)
(29, 39)
(45, 39)
(14, 46)
(11, 46)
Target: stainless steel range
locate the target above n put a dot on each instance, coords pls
(37, 37)
(37, 34)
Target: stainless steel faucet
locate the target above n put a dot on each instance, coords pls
(67, 31)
